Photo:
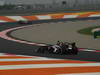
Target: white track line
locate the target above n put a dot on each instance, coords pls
(3, 35)
(6, 54)
(88, 50)
(94, 73)
(29, 59)
(32, 66)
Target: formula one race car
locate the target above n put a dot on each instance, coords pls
(59, 48)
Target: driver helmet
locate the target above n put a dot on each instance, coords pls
(58, 43)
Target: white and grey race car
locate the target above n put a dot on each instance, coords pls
(69, 49)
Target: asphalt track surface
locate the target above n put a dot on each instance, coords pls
(7, 46)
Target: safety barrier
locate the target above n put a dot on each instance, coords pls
(50, 16)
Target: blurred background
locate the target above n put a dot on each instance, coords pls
(29, 7)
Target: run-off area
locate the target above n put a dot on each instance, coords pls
(50, 33)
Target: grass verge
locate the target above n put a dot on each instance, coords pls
(87, 31)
